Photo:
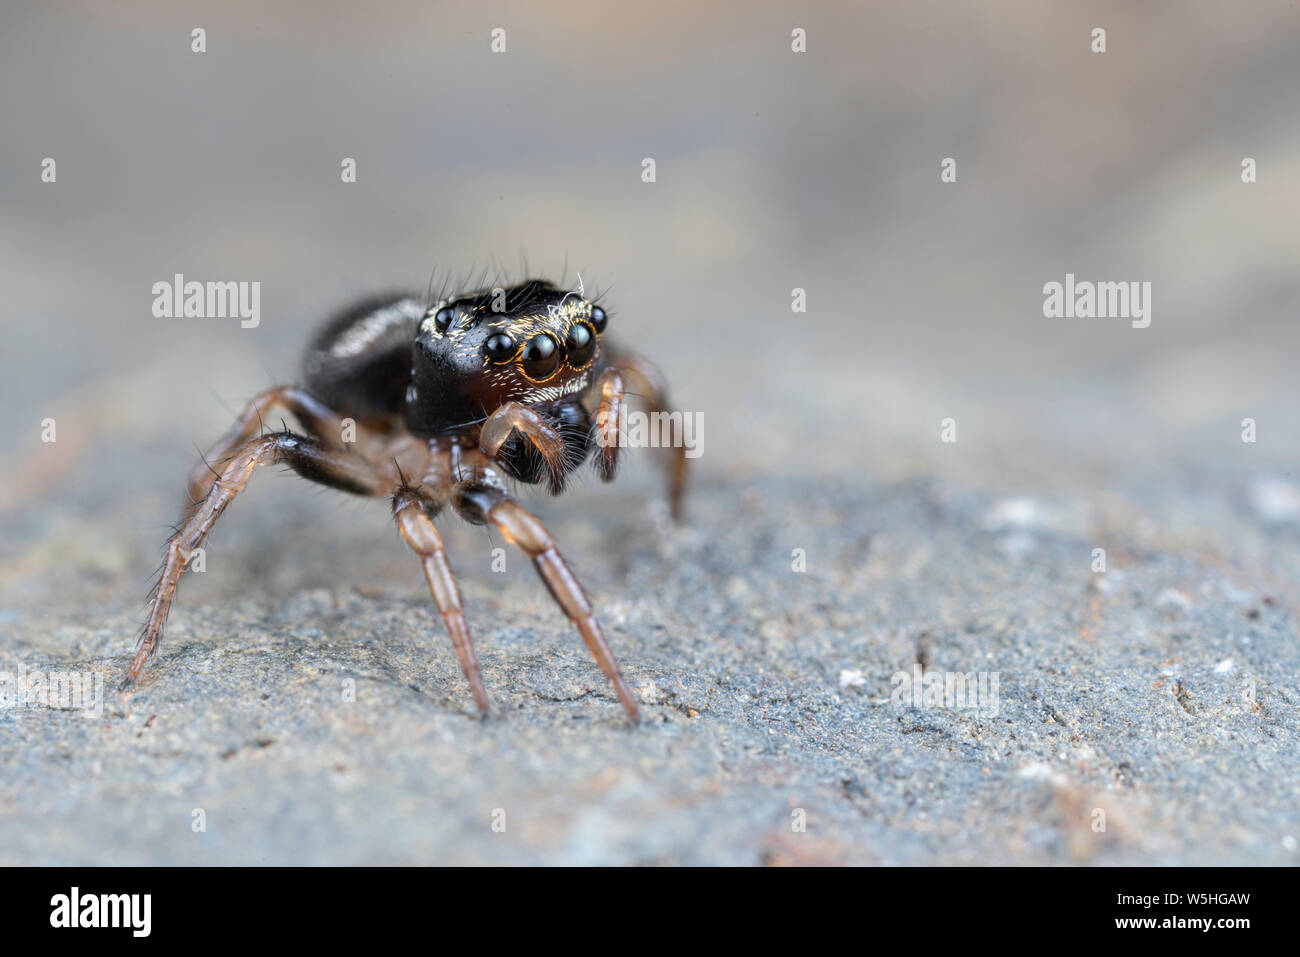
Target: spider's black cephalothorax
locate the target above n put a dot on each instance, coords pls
(434, 404)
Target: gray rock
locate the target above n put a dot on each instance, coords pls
(1106, 711)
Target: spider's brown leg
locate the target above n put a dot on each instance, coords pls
(306, 455)
(315, 417)
(511, 417)
(611, 387)
(478, 502)
(414, 512)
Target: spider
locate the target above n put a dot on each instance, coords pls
(461, 396)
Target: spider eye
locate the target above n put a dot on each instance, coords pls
(442, 318)
(580, 345)
(541, 357)
(499, 347)
(598, 319)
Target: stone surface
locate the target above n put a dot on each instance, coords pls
(1175, 720)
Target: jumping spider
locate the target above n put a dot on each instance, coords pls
(447, 401)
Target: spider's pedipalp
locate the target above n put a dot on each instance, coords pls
(513, 417)
(610, 393)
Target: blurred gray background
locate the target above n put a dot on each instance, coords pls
(775, 170)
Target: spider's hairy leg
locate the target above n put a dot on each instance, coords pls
(414, 511)
(306, 455)
(513, 417)
(316, 418)
(611, 389)
(483, 500)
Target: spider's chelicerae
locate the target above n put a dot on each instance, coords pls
(436, 405)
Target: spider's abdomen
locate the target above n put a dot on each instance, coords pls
(359, 364)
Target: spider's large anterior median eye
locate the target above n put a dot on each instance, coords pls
(580, 345)
(443, 317)
(541, 357)
(499, 347)
(598, 318)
